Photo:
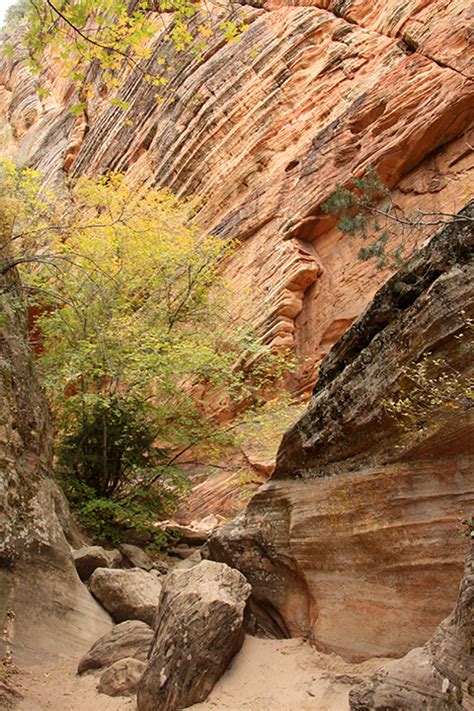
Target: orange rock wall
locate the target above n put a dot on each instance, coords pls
(265, 128)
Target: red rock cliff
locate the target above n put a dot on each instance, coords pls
(312, 94)
(354, 541)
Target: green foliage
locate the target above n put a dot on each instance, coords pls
(109, 447)
(135, 338)
(361, 214)
(467, 527)
(433, 388)
(111, 34)
(15, 13)
(113, 520)
(261, 428)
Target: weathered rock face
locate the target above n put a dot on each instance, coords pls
(127, 594)
(354, 541)
(442, 671)
(122, 678)
(199, 628)
(128, 639)
(45, 611)
(312, 94)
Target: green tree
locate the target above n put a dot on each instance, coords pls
(364, 210)
(135, 338)
(16, 12)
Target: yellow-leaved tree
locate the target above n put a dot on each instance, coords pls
(131, 321)
(113, 34)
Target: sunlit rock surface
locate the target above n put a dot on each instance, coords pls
(441, 671)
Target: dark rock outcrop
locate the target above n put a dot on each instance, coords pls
(126, 594)
(199, 628)
(438, 676)
(353, 542)
(128, 639)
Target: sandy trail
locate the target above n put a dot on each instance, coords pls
(276, 675)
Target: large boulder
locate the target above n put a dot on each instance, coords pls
(88, 558)
(442, 671)
(353, 541)
(135, 556)
(122, 678)
(199, 628)
(128, 639)
(126, 594)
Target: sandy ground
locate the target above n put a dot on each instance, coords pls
(286, 675)
(267, 675)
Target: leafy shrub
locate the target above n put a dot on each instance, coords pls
(15, 13)
(109, 447)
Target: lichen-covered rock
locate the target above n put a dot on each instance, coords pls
(438, 676)
(353, 542)
(122, 678)
(127, 639)
(131, 594)
(199, 628)
(89, 558)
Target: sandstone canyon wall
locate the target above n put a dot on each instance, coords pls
(313, 93)
(45, 611)
(440, 673)
(354, 541)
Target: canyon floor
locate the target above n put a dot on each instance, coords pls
(281, 675)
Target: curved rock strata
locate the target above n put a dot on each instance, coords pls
(264, 128)
(441, 673)
(354, 540)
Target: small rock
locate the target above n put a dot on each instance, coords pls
(208, 523)
(194, 534)
(189, 562)
(126, 594)
(122, 678)
(136, 557)
(116, 558)
(181, 551)
(89, 558)
(199, 628)
(161, 566)
(128, 639)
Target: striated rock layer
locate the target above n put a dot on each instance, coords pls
(354, 540)
(198, 630)
(313, 93)
(442, 671)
